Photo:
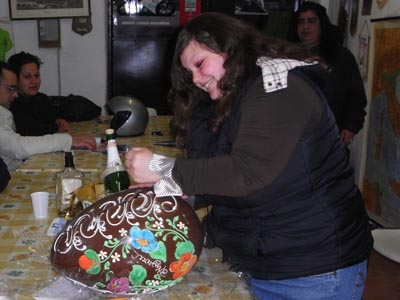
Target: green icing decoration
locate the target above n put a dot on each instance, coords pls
(160, 253)
(137, 275)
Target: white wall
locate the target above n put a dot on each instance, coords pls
(79, 66)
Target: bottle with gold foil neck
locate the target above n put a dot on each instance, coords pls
(115, 176)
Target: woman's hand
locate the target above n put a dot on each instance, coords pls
(83, 141)
(137, 161)
(347, 136)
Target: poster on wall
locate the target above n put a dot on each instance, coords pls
(381, 185)
(366, 7)
(262, 7)
(188, 9)
(148, 13)
(363, 50)
(384, 9)
(30, 9)
(251, 7)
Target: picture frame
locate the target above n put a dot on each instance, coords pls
(28, 9)
(49, 33)
(385, 10)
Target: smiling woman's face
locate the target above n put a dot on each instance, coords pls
(206, 67)
(29, 79)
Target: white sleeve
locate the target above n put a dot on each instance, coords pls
(20, 147)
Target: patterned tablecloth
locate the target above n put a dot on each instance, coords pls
(157, 131)
(25, 245)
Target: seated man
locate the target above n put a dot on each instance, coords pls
(34, 113)
(13, 147)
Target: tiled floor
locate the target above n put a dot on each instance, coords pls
(383, 281)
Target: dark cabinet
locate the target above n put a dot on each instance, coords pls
(140, 55)
(141, 40)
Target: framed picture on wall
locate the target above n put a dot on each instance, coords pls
(40, 9)
(49, 33)
(385, 9)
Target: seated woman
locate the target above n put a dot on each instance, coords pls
(14, 148)
(33, 112)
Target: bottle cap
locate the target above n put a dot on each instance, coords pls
(110, 134)
(110, 131)
(69, 160)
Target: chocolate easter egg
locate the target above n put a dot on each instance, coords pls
(129, 243)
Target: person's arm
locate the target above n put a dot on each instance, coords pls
(356, 99)
(63, 125)
(20, 147)
(271, 125)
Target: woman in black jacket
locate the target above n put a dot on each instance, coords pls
(33, 111)
(264, 150)
(345, 92)
(36, 113)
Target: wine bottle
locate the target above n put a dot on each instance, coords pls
(115, 176)
(68, 181)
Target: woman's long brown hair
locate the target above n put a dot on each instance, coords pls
(241, 44)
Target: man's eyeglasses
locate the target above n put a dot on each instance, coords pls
(11, 88)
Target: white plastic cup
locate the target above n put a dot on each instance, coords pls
(98, 141)
(40, 204)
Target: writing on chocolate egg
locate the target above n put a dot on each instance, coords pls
(155, 264)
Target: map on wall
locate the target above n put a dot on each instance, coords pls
(381, 187)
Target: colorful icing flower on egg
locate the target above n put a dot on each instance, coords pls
(182, 266)
(90, 262)
(119, 285)
(143, 239)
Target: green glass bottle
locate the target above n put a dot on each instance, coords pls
(115, 176)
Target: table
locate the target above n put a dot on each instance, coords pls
(25, 247)
(88, 161)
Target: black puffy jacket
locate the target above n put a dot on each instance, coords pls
(309, 220)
